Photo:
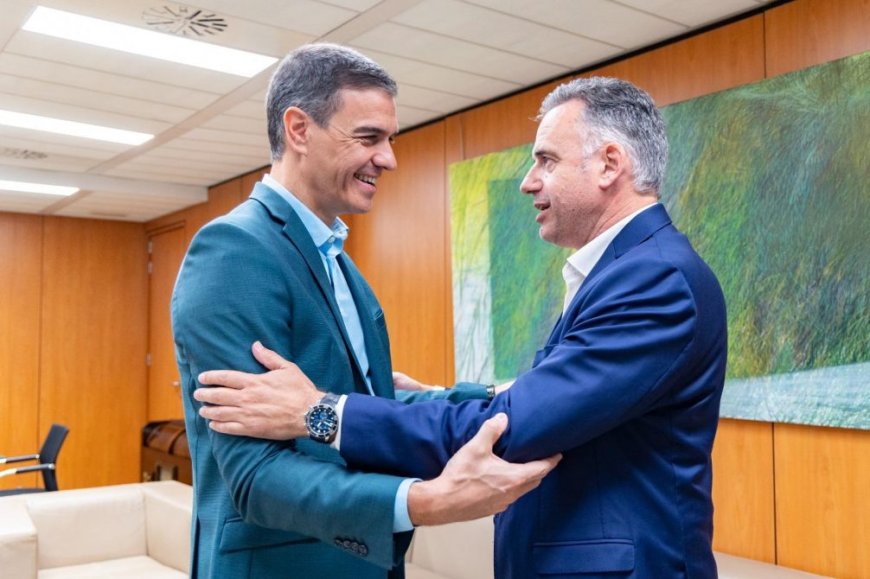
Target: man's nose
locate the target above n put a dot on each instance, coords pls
(530, 183)
(385, 157)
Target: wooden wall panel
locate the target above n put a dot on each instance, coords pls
(20, 286)
(248, 180)
(164, 383)
(720, 59)
(743, 491)
(93, 344)
(502, 124)
(822, 509)
(400, 250)
(809, 32)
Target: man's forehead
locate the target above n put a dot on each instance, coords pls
(564, 117)
(371, 107)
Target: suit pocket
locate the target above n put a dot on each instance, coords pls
(598, 556)
(238, 535)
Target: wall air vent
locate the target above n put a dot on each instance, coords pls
(184, 21)
(27, 154)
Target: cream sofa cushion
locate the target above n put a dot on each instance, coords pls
(17, 539)
(457, 551)
(130, 568)
(731, 567)
(168, 510)
(85, 525)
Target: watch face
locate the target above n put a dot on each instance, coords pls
(322, 421)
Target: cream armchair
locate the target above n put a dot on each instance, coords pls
(132, 531)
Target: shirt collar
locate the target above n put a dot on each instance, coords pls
(585, 258)
(329, 240)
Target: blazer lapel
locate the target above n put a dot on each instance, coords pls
(636, 232)
(379, 367)
(295, 232)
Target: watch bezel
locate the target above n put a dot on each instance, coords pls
(323, 412)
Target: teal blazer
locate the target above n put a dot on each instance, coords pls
(279, 509)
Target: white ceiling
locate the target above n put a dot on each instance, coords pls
(445, 54)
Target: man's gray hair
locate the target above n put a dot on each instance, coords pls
(617, 111)
(311, 78)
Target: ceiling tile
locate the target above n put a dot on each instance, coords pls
(248, 26)
(306, 16)
(433, 100)
(85, 56)
(185, 143)
(50, 144)
(483, 26)
(80, 114)
(168, 177)
(358, 5)
(86, 78)
(410, 116)
(50, 163)
(231, 137)
(425, 75)
(695, 13)
(456, 54)
(251, 108)
(600, 20)
(157, 162)
(125, 207)
(197, 154)
(25, 202)
(238, 124)
(38, 89)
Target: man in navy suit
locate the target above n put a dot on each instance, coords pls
(627, 387)
(273, 269)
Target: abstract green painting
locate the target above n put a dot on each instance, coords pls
(770, 183)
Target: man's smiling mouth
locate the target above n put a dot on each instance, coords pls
(366, 179)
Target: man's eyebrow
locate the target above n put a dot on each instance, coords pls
(367, 130)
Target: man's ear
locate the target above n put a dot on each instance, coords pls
(296, 126)
(614, 163)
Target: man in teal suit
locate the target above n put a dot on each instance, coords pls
(273, 270)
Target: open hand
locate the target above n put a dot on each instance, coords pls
(270, 405)
(475, 482)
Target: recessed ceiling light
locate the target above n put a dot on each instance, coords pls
(135, 40)
(23, 187)
(72, 128)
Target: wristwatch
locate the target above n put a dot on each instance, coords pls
(322, 419)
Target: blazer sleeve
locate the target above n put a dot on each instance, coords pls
(231, 292)
(624, 352)
(459, 392)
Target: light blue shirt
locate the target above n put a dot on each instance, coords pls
(330, 242)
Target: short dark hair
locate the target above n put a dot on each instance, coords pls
(618, 111)
(311, 78)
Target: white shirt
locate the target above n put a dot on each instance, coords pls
(581, 262)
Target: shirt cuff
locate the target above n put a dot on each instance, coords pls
(401, 517)
(339, 412)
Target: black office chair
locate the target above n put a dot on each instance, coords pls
(47, 458)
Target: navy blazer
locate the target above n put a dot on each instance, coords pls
(265, 508)
(627, 388)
